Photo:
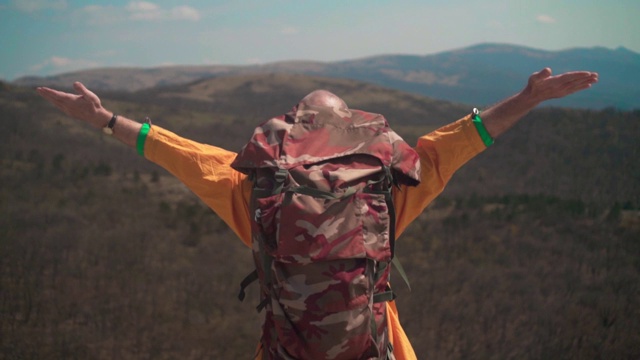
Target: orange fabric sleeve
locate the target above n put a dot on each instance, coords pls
(205, 170)
(441, 152)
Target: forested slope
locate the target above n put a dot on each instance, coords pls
(531, 253)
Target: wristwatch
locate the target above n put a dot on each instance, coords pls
(109, 128)
(475, 113)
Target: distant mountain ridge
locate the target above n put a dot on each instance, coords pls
(479, 75)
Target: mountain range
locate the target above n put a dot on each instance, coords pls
(478, 75)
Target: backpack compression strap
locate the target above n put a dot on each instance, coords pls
(392, 223)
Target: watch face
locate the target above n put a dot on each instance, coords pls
(107, 130)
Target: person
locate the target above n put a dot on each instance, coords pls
(205, 169)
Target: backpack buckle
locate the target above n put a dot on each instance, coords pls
(280, 177)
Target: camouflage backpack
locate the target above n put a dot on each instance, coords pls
(323, 230)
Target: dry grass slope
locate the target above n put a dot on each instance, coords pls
(529, 254)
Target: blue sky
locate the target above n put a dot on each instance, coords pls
(48, 37)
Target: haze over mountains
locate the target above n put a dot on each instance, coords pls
(478, 75)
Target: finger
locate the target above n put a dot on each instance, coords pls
(575, 85)
(580, 79)
(545, 73)
(48, 94)
(80, 88)
(86, 93)
(578, 75)
(44, 91)
(58, 98)
(51, 93)
(542, 74)
(576, 88)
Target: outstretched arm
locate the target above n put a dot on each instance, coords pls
(445, 150)
(202, 168)
(86, 106)
(541, 86)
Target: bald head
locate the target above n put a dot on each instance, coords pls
(324, 98)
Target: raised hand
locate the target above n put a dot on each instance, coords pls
(85, 105)
(543, 86)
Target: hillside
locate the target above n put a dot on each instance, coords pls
(532, 252)
(478, 75)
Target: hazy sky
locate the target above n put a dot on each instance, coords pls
(41, 37)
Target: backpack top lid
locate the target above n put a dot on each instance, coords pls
(310, 134)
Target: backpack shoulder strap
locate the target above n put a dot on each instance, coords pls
(388, 196)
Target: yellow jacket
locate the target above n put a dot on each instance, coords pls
(205, 170)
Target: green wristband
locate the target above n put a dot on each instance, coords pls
(142, 138)
(482, 130)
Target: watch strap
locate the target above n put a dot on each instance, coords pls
(108, 129)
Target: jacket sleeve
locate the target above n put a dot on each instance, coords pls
(205, 170)
(441, 152)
